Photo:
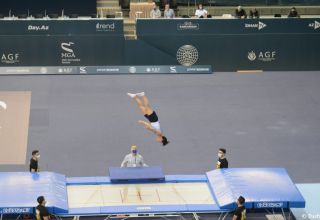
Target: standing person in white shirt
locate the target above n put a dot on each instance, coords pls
(133, 159)
(201, 12)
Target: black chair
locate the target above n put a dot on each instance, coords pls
(38, 16)
(73, 16)
(277, 15)
(22, 16)
(53, 16)
(185, 16)
(110, 16)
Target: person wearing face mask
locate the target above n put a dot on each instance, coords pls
(222, 160)
(33, 166)
(42, 212)
(240, 212)
(133, 159)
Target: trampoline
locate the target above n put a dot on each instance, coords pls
(139, 194)
(214, 192)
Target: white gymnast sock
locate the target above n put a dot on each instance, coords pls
(132, 95)
(140, 94)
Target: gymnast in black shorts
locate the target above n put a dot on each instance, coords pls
(153, 123)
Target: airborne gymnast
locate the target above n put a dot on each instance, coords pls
(153, 123)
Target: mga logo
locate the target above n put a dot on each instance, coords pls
(315, 25)
(68, 56)
(67, 48)
(10, 58)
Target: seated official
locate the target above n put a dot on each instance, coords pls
(240, 13)
(222, 160)
(42, 212)
(155, 12)
(133, 159)
(293, 13)
(201, 12)
(254, 13)
(168, 12)
(34, 162)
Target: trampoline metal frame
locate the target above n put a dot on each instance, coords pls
(166, 216)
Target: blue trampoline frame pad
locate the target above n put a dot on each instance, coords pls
(216, 191)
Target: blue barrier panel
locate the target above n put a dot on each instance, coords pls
(174, 46)
(232, 44)
(61, 42)
(187, 27)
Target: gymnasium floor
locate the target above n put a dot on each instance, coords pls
(84, 124)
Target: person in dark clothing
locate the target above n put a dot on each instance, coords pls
(34, 166)
(254, 13)
(222, 160)
(293, 13)
(240, 13)
(240, 212)
(42, 212)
